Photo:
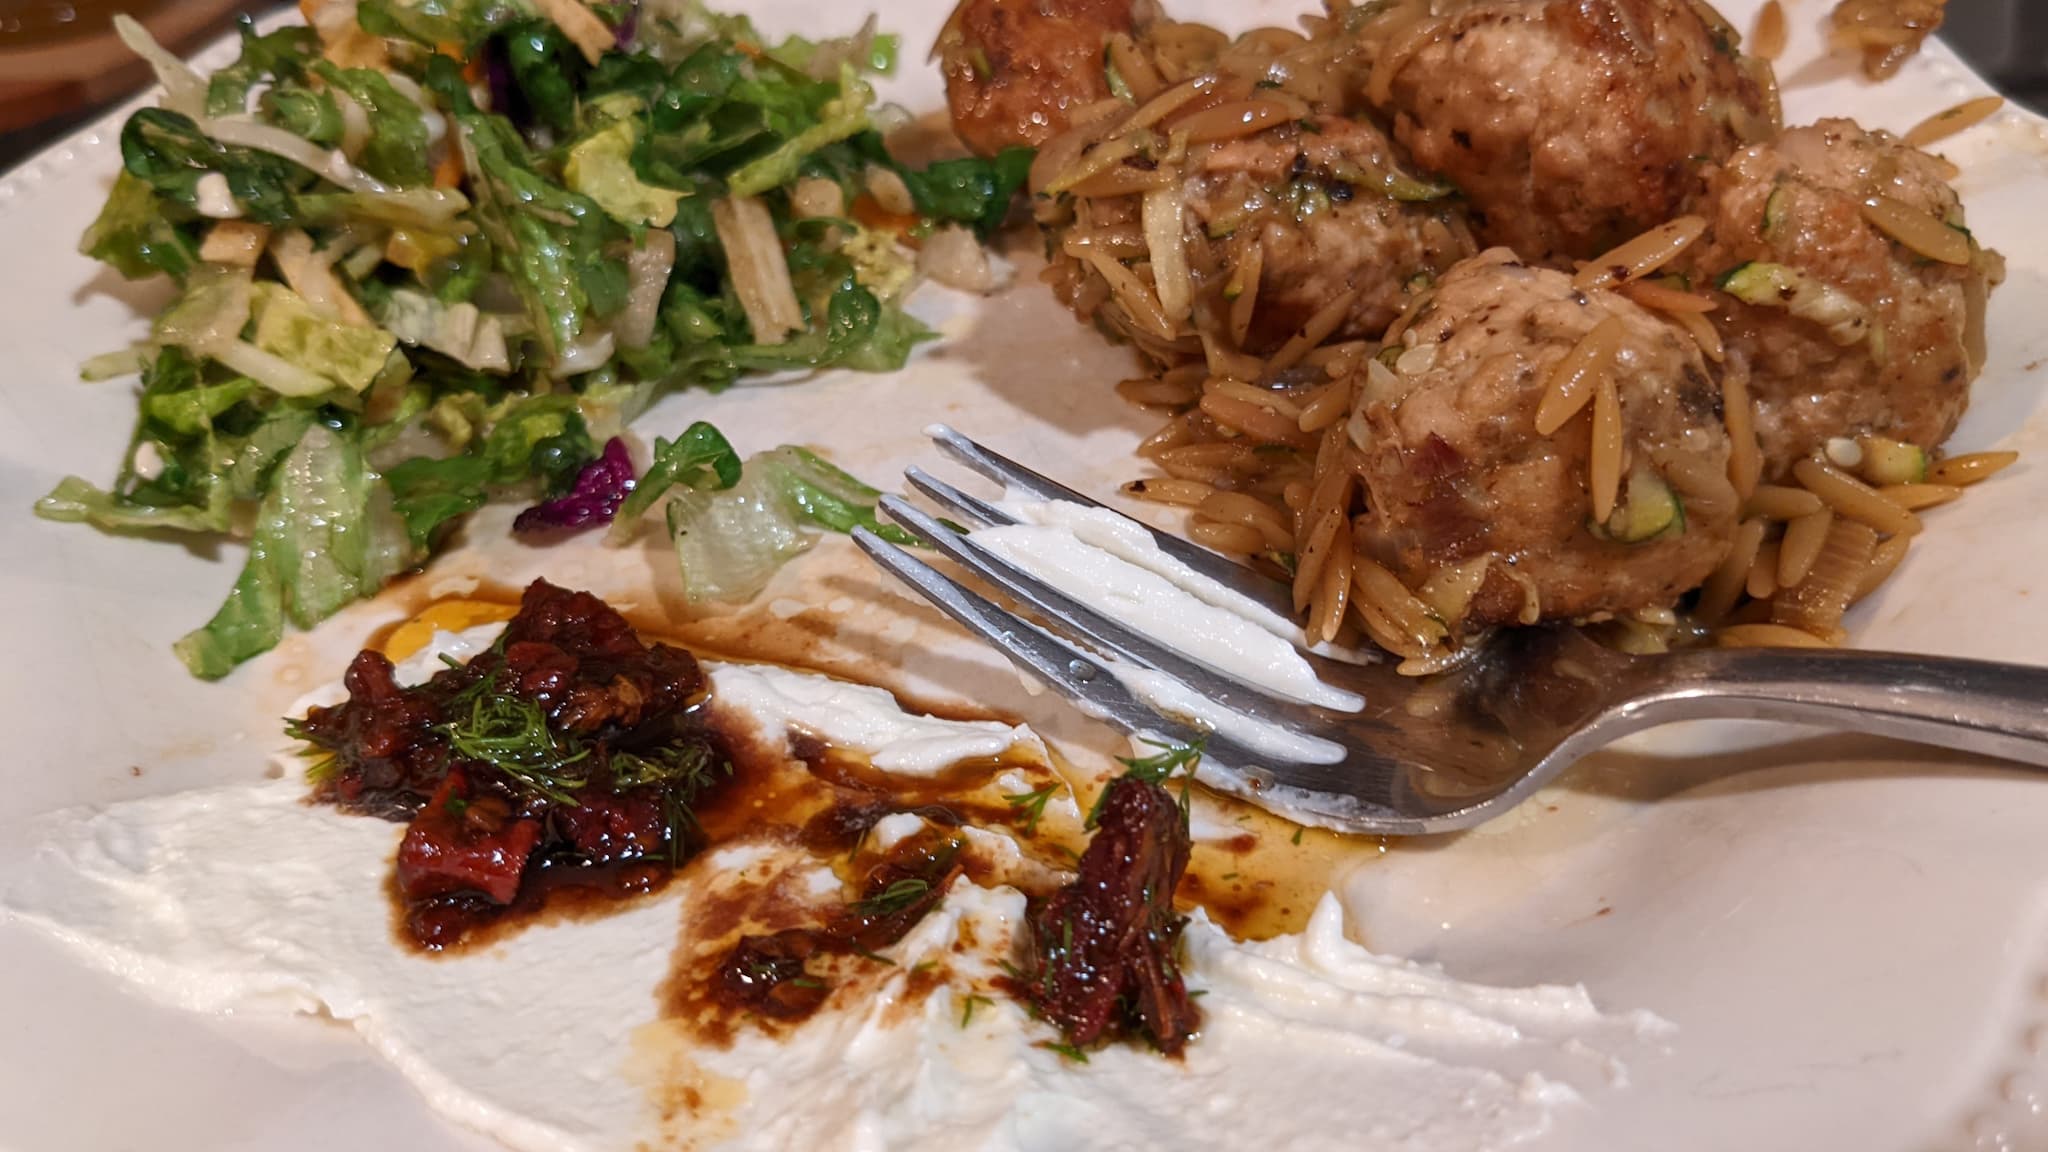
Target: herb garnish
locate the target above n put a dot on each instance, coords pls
(1031, 806)
(1067, 1050)
(900, 894)
(511, 733)
(1157, 769)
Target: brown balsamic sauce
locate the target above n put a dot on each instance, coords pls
(821, 801)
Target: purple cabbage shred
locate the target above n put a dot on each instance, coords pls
(628, 27)
(600, 488)
(504, 93)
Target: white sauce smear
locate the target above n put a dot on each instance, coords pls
(249, 899)
(1111, 563)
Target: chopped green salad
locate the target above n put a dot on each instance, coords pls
(432, 253)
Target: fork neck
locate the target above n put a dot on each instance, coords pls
(1972, 706)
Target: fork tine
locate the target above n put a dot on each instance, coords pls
(1018, 478)
(1075, 674)
(978, 512)
(1000, 468)
(1226, 765)
(1090, 625)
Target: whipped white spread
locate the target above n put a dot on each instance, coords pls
(1110, 563)
(853, 716)
(863, 718)
(1308, 1042)
(249, 899)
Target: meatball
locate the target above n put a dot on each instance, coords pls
(1014, 68)
(1845, 329)
(1572, 125)
(1331, 213)
(1319, 207)
(1455, 470)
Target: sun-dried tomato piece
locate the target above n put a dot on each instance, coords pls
(462, 842)
(1103, 958)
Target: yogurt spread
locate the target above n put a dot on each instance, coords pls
(248, 899)
(1110, 563)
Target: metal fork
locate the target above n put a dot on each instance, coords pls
(1447, 752)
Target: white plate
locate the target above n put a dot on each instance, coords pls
(1849, 935)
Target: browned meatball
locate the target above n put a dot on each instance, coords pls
(1014, 68)
(1332, 214)
(1321, 210)
(1845, 330)
(1455, 471)
(1571, 125)
(1320, 207)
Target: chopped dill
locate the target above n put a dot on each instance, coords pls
(1067, 1050)
(687, 764)
(1157, 768)
(900, 894)
(878, 958)
(321, 762)
(511, 733)
(1170, 759)
(1031, 805)
(968, 1004)
(1298, 830)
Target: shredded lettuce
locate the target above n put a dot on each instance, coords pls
(825, 495)
(319, 543)
(266, 56)
(730, 544)
(731, 538)
(287, 327)
(433, 23)
(701, 458)
(841, 117)
(167, 151)
(74, 501)
(396, 151)
(203, 440)
(458, 331)
(140, 234)
(503, 210)
(541, 437)
(600, 166)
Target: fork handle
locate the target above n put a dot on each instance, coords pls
(1977, 706)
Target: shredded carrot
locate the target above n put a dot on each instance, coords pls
(869, 213)
(448, 173)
